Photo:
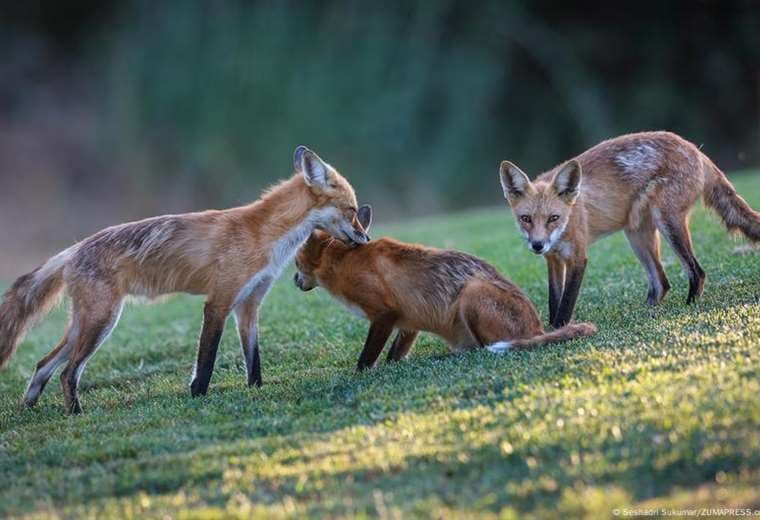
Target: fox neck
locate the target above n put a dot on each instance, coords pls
(331, 266)
(283, 220)
(570, 239)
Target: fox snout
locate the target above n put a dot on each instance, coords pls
(537, 246)
(302, 283)
(357, 238)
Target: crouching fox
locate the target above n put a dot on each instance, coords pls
(412, 288)
(644, 184)
(232, 257)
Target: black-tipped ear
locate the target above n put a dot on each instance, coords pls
(514, 182)
(298, 157)
(567, 181)
(364, 216)
(315, 170)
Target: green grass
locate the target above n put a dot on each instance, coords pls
(660, 408)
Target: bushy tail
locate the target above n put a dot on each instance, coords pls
(737, 215)
(566, 333)
(30, 297)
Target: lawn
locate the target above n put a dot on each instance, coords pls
(661, 408)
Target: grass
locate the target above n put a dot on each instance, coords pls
(661, 408)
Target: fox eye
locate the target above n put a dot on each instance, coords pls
(553, 218)
(525, 218)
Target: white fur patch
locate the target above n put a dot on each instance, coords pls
(555, 236)
(500, 347)
(643, 158)
(283, 252)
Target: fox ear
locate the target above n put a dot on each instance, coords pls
(315, 170)
(514, 182)
(364, 215)
(567, 181)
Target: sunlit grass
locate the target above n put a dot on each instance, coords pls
(659, 409)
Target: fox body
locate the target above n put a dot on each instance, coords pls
(412, 288)
(231, 256)
(644, 184)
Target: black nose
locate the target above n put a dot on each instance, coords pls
(537, 246)
(295, 279)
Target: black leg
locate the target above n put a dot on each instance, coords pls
(676, 232)
(402, 343)
(254, 374)
(213, 326)
(556, 269)
(379, 331)
(246, 315)
(573, 283)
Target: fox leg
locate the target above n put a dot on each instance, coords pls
(46, 367)
(401, 345)
(94, 323)
(645, 242)
(556, 268)
(246, 315)
(575, 270)
(379, 331)
(676, 231)
(214, 317)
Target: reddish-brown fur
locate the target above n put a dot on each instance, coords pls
(644, 184)
(231, 256)
(413, 288)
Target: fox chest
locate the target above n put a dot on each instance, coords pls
(352, 307)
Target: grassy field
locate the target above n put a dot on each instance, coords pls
(661, 408)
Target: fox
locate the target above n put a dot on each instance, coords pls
(645, 184)
(412, 288)
(232, 257)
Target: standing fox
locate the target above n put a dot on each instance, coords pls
(231, 256)
(644, 184)
(411, 288)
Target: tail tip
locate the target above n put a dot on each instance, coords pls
(586, 328)
(500, 347)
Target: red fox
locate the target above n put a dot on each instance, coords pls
(412, 288)
(644, 184)
(231, 256)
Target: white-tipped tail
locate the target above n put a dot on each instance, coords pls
(500, 347)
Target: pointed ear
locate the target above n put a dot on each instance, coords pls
(364, 215)
(514, 182)
(298, 157)
(315, 170)
(567, 181)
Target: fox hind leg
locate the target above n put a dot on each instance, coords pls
(645, 242)
(94, 323)
(676, 231)
(45, 368)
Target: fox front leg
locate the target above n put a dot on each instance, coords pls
(573, 281)
(246, 316)
(401, 345)
(556, 269)
(213, 326)
(379, 332)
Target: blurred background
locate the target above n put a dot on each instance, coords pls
(113, 111)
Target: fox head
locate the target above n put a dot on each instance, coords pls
(542, 209)
(313, 260)
(334, 198)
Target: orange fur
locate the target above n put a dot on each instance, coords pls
(414, 288)
(644, 184)
(231, 256)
